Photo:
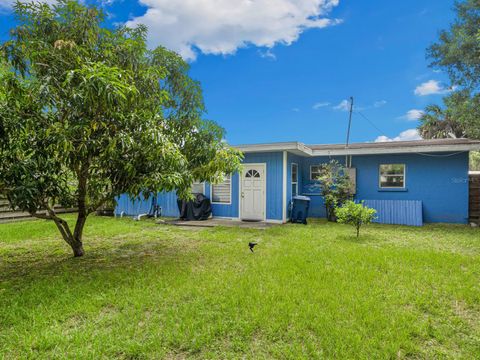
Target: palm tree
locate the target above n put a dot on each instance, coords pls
(437, 123)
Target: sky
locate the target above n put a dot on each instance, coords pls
(283, 70)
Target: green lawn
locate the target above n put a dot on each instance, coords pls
(148, 291)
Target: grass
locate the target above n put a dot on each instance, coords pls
(147, 291)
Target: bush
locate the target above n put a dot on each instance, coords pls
(335, 186)
(355, 214)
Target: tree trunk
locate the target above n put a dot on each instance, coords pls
(77, 248)
(75, 239)
(331, 214)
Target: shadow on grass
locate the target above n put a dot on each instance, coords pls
(36, 264)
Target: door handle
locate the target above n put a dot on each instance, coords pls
(243, 195)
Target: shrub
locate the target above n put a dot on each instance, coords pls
(355, 214)
(335, 186)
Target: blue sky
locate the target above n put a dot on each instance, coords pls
(281, 70)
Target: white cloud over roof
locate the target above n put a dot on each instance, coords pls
(407, 135)
(222, 26)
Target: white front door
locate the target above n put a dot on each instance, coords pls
(252, 192)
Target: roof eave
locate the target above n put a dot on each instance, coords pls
(398, 150)
(293, 147)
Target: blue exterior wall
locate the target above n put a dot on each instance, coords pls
(274, 182)
(129, 207)
(439, 181)
(274, 196)
(228, 210)
(274, 161)
(292, 158)
(168, 203)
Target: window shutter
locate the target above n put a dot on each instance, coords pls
(221, 193)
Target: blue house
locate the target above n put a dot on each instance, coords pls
(408, 182)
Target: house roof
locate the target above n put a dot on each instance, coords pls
(391, 147)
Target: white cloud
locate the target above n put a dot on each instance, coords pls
(267, 54)
(379, 103)
(431, 87)
(222, 26)
(320, 105)
(296, 109)
(344, 105)
(412, 115)
(410, 134)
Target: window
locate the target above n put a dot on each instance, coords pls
(198, 188)
(294, 179)
(314, 172)
(222, 192)
(392, 176)
(252, 173)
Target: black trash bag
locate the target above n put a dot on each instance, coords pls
(198, 209)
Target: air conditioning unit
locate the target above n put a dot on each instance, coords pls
(352, 174)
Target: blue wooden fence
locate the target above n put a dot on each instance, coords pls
(129, 207)
(168, 203)
(400, 212)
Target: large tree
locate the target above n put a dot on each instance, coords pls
(440, 123)
(457, 52)
(88, 113)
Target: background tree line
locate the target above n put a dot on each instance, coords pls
(457, 52)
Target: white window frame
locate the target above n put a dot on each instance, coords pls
(230, 189)
(291, 178)
(312, 179)
(198, 182)
(392, 187)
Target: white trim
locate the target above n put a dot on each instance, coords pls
(294, 147)
(399, 150)
(284, 186)
(240, 181)
(299, 148)
(291, 180)
(221, 203)
(274, 221)
(392, 187)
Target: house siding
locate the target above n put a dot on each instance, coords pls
(274, 184)
(292, 158)
(228, 210)
(439, 181)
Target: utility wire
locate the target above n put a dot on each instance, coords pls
(371, 123)
(418, 153)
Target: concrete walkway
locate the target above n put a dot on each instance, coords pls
(210, 223)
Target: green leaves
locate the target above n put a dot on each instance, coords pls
(457, 52)
(334, 186)
(355, 214)
(88, 113)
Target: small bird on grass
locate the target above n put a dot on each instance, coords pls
(251, 245)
